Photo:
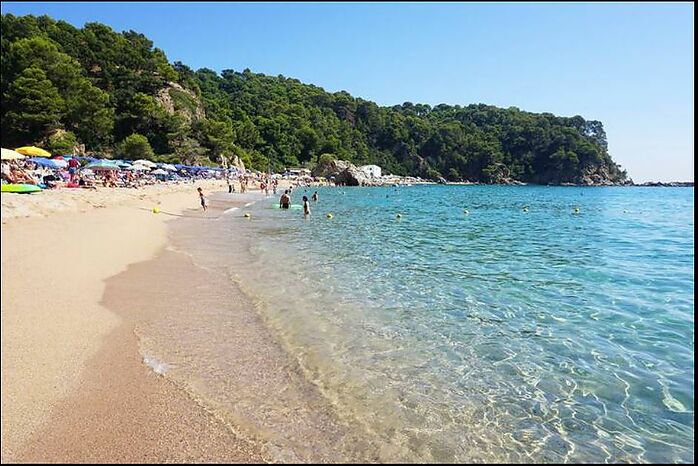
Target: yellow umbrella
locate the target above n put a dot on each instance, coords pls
(35, 151)
(8, 154)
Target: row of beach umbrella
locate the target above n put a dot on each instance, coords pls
(41, 157)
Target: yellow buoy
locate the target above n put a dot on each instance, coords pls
(330, 215)
(156, 210)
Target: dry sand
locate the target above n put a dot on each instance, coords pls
(59, 342)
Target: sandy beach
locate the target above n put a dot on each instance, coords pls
(74, 385)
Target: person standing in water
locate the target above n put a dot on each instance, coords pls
(285, 201)
(306, 206)
(202, 198)
(315, 197)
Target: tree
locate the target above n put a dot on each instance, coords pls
(136, 146)
(34, 107)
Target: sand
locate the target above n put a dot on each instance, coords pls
(59, 342)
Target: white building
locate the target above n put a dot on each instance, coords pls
(374, 171)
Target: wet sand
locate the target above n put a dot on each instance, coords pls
(123, 411)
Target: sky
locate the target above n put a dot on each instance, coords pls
(629, 65)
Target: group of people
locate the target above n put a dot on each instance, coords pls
(285, 201)
(74, 175)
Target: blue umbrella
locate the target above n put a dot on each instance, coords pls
(43, 162)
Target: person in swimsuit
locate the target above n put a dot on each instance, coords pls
(315, 197)
(306, 206)
(285, 201)
(204, 202)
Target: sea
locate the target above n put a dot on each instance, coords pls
(440, 323)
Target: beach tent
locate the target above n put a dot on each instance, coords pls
(33, 151)
(102, 165)
(46, 163)
(8, 154)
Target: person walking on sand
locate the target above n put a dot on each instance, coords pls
(306, 206)
(202, 198)
(285, 201)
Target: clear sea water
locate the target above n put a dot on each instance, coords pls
(497, 334)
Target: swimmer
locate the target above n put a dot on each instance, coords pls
(306, 206)
(285, 201)
(315, 197)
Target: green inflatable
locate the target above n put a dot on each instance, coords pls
(20, 188)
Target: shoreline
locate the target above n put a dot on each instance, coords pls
(54, 324)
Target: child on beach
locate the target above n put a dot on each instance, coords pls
(204, 201)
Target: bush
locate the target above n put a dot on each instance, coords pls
(61, 142)
(136, 146)
(326, 158)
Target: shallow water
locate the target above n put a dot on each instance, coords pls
(498, 334)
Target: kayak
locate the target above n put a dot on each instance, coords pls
(20, 188)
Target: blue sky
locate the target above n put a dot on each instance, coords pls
(629, 65)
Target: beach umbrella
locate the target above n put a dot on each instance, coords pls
(159, 171)
(137, 168)
(33, 151)
(147, 163)
(102, 165)
(47, 163)
(167, 166)
(60, 162)
(8, 154)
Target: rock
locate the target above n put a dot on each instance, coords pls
(342, 172)
(164, 98)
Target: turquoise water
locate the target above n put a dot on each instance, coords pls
(494, 335)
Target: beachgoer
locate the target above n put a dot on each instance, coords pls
(73, 166)
(204, 202)
(230, 186)
(285, 201)
(315, 196)
(306, 206)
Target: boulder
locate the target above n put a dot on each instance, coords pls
(342, 172)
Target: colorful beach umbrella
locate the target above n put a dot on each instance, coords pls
(33, 151)
(8, 154)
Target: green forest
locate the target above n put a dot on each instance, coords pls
(119, 96)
